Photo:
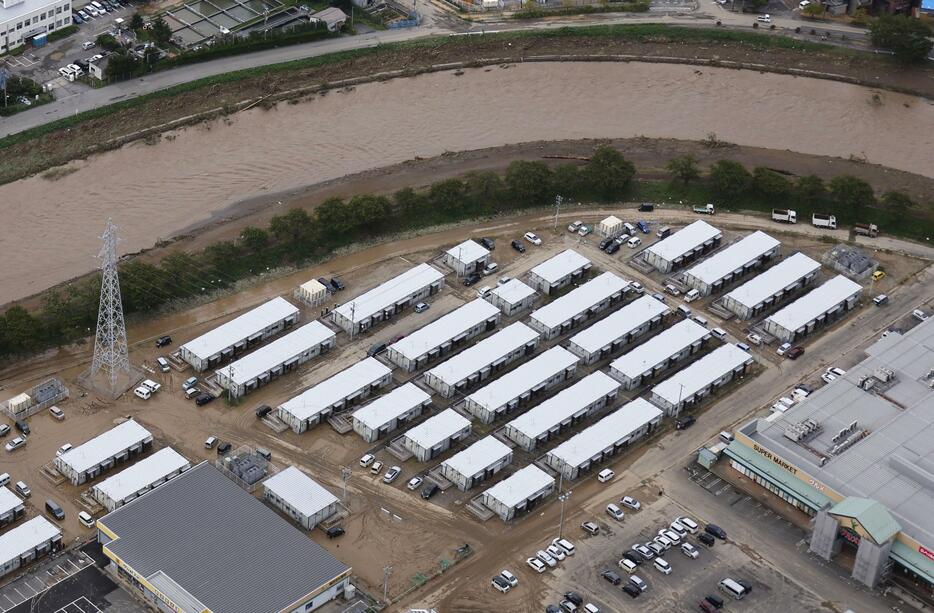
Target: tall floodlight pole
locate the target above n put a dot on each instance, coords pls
(563, 498)
(110, 348)
(558, 201)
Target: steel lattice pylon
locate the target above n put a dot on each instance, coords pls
(110, 348)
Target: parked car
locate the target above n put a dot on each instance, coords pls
(376, 468)
(536, 565)
(490, 268)
(500, 584)
(22, 426)
(919, 315)
(706, 539)
(795, 352)
(392, 474)
(628, 565)
(546, 558)
(376, 349)
(162, 341)
(684, 422)
(518, 246)
(605, 243)
(880, 300)
(575, 226)
(636, 287)
(605, 475)
(4, 429)
(612, 248)
(263, 410)
(714, 601)
(556, 552)
(54, 509)
(484, 291)
(565, 545)
(715, 530)
(591, 528)
(632, 503)
(203, 398)
(632, 591)
(57, 413)
(643, 227)
(632, 556)
(223, 448)
(22, 489)
(509, 577)
(472, 279)
(782, 349)
(336, 284)
(151, 385)
(367, 459)
(63, 450)
(16, 443)
(612, 577)
(143, 392)
(430, 490)
(334, 531)
(574, 597)
(646, 553)
(488, 243)
(414, 483)
(421, 307)
(189, 382)
(662, 566)
(585, 230)
(532, 238)
(85, 519)
(689, 550)
(209, 442)
(637, 581)
(615, 512)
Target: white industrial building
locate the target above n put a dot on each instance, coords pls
(611, 226)
(692, 384)
(390, 412)
(512, 297)
(770, 287)
(604, 439)
(477, 463)
(388, 299)
(237, 335)
(519, 493)
(436, 434)
(818, 307)
(612, 333)
(579, 305)
(334, 393)
(729, 264)
(483, 360)
(658, 353)
(519, 386)
(11, 507)
(683, 247)
(563, 411)
(311, 292)
(300, 497)
(27, 542)
(470, 256)
(101, 453)
(558, 271)
(275, 359)
(443, 335)
(23, 20)
(131, 483)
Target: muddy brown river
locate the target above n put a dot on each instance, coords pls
(49, 229)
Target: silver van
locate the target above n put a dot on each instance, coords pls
(732, 588)
(163, 364)
(4, 479)
(262, 451)
(684, 311)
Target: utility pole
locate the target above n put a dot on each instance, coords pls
(353, 320)
(230, 376)
(563, 498)
(345, 477)
(558, 201)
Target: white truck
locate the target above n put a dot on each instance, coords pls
(866, 229)
(784, 216)
(707, 209)
(819, 220)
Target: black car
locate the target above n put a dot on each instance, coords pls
(646, 207)
(54, 509)
(552, 608)
(162, 341)
(706, 539)
(487, 243)
(612, 577)
(606, 242)
(336, 284)
(714, 600)
(430, 490)
(632, 590)
(326, 284)
(518, 246)
(574, 597)
(376, 349)
(612, 248)
(22, 426)
(223, 448)
(746, 585)
(263, 410)
(634, 556)
(203, 398)
(685, 422)
(472, 278)
(715, 530)
(334, 532)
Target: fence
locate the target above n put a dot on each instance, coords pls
(246, 468)
(413, 20)
(39, 398)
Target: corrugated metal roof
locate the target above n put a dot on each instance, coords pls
(445, 329)
(8, 500)
(777, 278)
(559, 266)
(142, 474)
(520, 485)
(874, 517)
(484, 353)
(25, 537)
(468, 252)
(388, 407)
(105, 446)
(389, 293)
(580, 300)
(479, 456)
(565, 404)
(238, 329)
(815, 303)
(436, 429)
(619, 324)
(700, 374)
(521, 380)
(513, 291)
(613, 428)
(278, 352)
(734, 257)
(334, 389)
(300, 491)
(659, 348)
(684, 240)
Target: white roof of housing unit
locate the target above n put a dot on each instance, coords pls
(386, 408)
(387, 294)
(605, 433)
(335, 388)
(25, 537)
(436, 429)
(687, 239)
(815, 303)
(763, 286)
(734, 257)
(106, 445)
(8, 500)
(619, 324)
(522, 484)
(278, 352)
(250, 323)
(300, 491)
(479, 456)
(526, 377)
(445, 329)
(565, 404)
(560, 266)
(468, 252)
(659, 348)
(688, 381)
(513, 291)
(484, 353)
(143, 474)
(579, 300)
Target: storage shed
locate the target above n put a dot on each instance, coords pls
(658, 353)
(769, 288)
(612, 333)
(558, 271)
(691, 385)
(85, 462)
(476, 464)
(611, 226)
(147, 474)
(817, 308)
(683, 247)
(470, 256)
(29, 541)
(311, 293)
(579, 305)
(390, 412)
(11, 507)
(436, 434)
(519, 493)
(732, 263)
(512, 297)
(300, 497)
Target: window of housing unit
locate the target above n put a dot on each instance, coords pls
(769, 486)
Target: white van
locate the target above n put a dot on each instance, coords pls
(630, 229)
(163, 364)
(143, 392)
(692, 295)
(99, 6)
(689, 524)
(683, 310)
(151, 385)
(726, 437)
(4, 479)
(564, 545)
(732, 588)
(605, 475)
(85, 518)
(754, 338)
(720, 333)
(701, 320)
(634, 242)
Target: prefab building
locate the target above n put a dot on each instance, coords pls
(683, 247)
(436, 434)
(147, 474)
(444, 335)
(605, 439)
(238, 335)
(519, 387)
(728, 265)
(311, 292)
(103, 452)
(387, 300)
(612, 333)
(27, 542)
(579, 305)
(611, 226)
(558, 271)
(477, 463)
(470, 256)
(334, 393)
(390, 412)
(818, 307)
(512, 297)
(519, 493)
(275, 359)
(658, 353)
(769, 288)
(11, 507)
(483, 360)
(700, 379)
(300, 497)
(563, 411)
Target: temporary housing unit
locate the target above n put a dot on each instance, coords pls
(817, 308)
(300, 497)
(611, 226)
(470, 256)
(579, 305)
(519, 493)
(512, 297)
(770, 287)
(732, 263)
(483, 360)
(444, 335)
(27, 542)
(563, 411)
(683, 247)
(334, 394)
(385, 301)
(11, 507)
(604, 439)
(612, 333)
(477, 463)
(700, 379)
(558, 271)
(311, 292)
(147, 474)
(238, 335)
(275, 359)
(521, 385)
(390, 412)
(101, 453)
(436, 434)
(658, 353)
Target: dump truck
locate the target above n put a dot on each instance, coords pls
(707, 209)
(866, 229)
(819, 220)
(784, 216)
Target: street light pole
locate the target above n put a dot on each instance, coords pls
(563, 498)
(558, 201)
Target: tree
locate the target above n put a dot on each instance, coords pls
(136, 22)
(120, 66)
(906, 37)
(447, 196)
(608, 173)
(334, 217)
(254, 239)
(296, 225)
(814, 9)
(369, 212)
(484, 191)
(529, 183)
(409, 202)
(20, 330)
(729, 180)
(809, 192)
(161, 32)
(568, 180)
(108, 42)
(851, 197)
(684, 168)
(897, 203)
(769, 184)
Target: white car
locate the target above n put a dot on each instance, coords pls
(376, 468)
(644, 551)
(556, 552)
(628, 565)
(828, 377)
(63, 450)
(564, 545)
(532, 238)
(500, 584)
(836, 371)
(88, 44)
(783, 348)
(804, 4)
(536, 564)
(655, 548)
(605, 475)
(546, 558)
(151, 385)
(574, 227)
(689, 550)
(671, 535)
(678, 529)
(143, 392)
(615, 512)
(392, 474)
(662, 541)
(662, 566)
(919, 315)
(632, 503)
(636, 287)
(85, 518)
(637, 581)
(367, 459)
(16, 443)
(509, 577)
(413, 483)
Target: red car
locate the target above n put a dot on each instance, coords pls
(795, 352)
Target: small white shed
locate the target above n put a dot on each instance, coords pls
(611, 226)
(312, 292)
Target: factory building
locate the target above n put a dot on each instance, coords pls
(476, 464)
(817, 308)
(646, 361)
(563, 269)
(134, 481)
(86, 462)
(11, 507)
(300, 497)
(29, 541)
(690, 386)
(512, 297)
(683, 247)
(519, 493)
(468, 257)
(436, 434)
(390, 412)
(578, 305)
(612, 333)
(732, 263)
(769, 288)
